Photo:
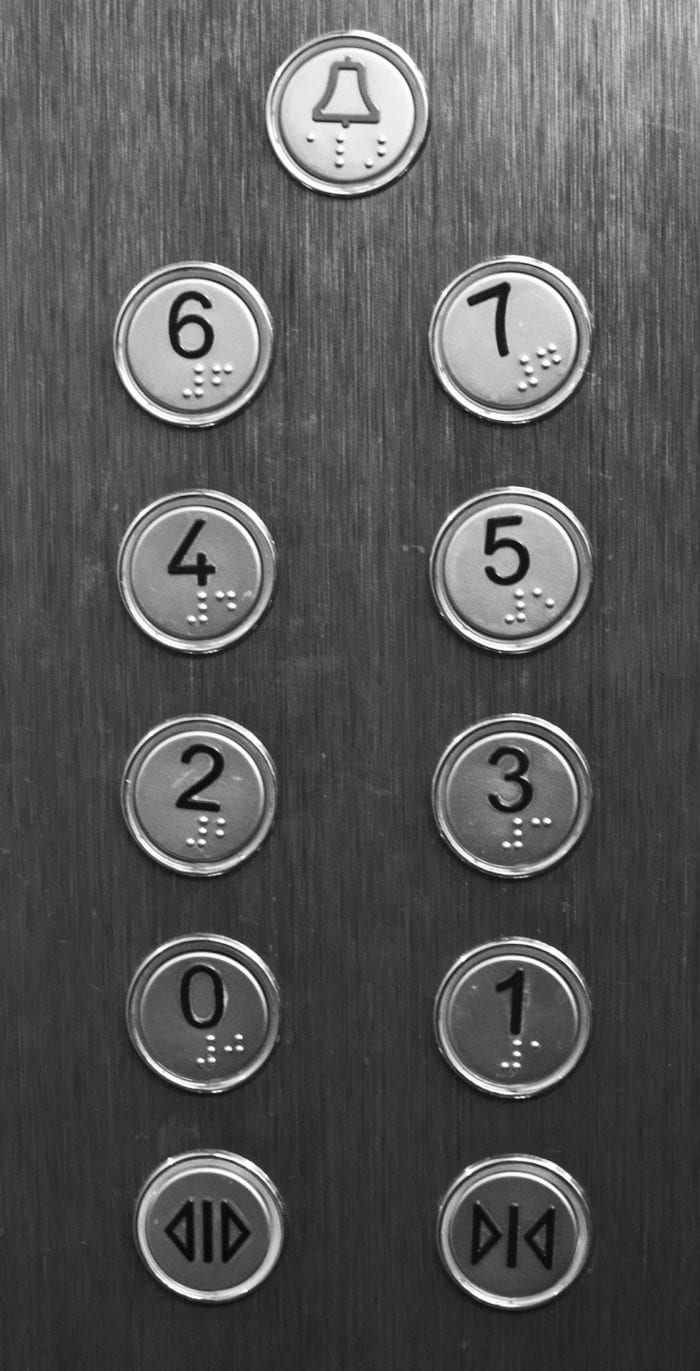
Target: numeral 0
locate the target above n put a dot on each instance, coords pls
(217, 986)
(177, 323)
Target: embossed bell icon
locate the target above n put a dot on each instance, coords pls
(346, 99)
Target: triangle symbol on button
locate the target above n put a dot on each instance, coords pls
(481, 1219)
(545, 1251)
(234, 1232)
(184, 1241)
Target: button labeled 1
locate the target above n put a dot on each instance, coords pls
(199, 794)
(513, 1017)
(512, 795)
(510, 339)
(347, 113)
(197, 570)
(203, 1012)
(514, 1231)
(193, 343)
(511, 570)
(209, 1226)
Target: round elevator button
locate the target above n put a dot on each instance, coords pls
(510, 339)
(193, 343)
(514, 1231)
(347, 113)
(197, 570)
(512, 795)
(513, 1017)
(209, 1226)
(199, 794)
(511, 570)
(203, 1012)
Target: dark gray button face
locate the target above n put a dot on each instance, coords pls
(513, 1017)
(203, 1012)
(511, 570)
(512, 795)
(193, 343)
(347, 113)
(514, 1231)
(209, 1226)
(199, 794)
(510, 339)
(197, 570)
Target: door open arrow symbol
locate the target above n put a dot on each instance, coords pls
(481, 1219)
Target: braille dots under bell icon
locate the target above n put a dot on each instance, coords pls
(346, 99)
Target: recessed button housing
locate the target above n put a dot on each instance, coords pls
(514, 1231)
(193, 343)
(513, 1017)
(347, 113)
(511, 570)
(203, 1012)
(510, 339)
(197, 570)
(209, 1226)
(199, 794)
(512, 795)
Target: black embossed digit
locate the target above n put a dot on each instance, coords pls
(218, 992)
(176, 323)
(493, 544)
(518, 776)
(516, 983)
(500, 294)
(200, 567)
(189, 799)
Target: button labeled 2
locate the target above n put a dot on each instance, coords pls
(510, 339)
(193, 343)
(511, 570)
(512, 795)
(199, 794)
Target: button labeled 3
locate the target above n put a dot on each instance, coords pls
(203, 1012)
(511, 570)
(510, 339)
(512, 795)
(197, 570)
(199, 794)
(347, 113)
(514, 1231)
(513, 1017)
(193, 343)
(209, 1226)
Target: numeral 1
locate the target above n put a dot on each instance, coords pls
(516, 983)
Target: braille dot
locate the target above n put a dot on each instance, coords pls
(519, 594)
(517, 1066)
(532, 381)
(510, 618)
(190, 842)
(228, 1048)
(238, 1037)
(220, 595)
(541, 352)
(547, 823)
(517, 844)
(198, 367)
(504, 1066)
(240, 1049)
(203, 818)
(381, 152)
(187, 393)
(534, 1042)
(505, 844)
(381, 138)
(219, 833)
(535, 823)
(340, 137)
(517, 1042)
(516, 1053)
(524, 359)
(522, 385)
(216, 366)
(549, 604)
(311, 137)
(537, 590)
(201, 594)
(201, 842)
(521, 618)
(546, 365)
(369, 162)
(203, 618)
(529, 371)
(201, 1061)
(552, 347)
(211, 1037)
(556, 359)
(340, 164)
(216, 380)
(191, 618)
(228, 368)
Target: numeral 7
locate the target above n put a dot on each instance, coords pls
(500, 294)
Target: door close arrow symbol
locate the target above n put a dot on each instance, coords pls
(481, 1219)
(545, 1251)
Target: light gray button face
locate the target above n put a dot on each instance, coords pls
(197, 570)
(199, 794)
(514, 1231)
(209, 1225)
(512, 795)
(203, 1012)
(510, 339)
(511, 570)
(513, 1017)
(347, 113)
(193, 343)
